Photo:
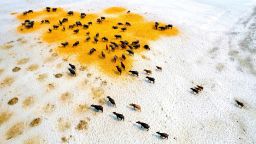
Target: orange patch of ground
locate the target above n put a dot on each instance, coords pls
(114, 10)
(140, 29)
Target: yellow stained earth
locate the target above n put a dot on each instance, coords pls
(140, 29)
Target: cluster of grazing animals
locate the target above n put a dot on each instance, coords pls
(129, 47)
(64, 44)
(136, 73)
(163, 135)
(70, 13)
(119, 116)
(143, 125)
(119, 69)
(111, 100)
(28, 24)
(76, 44)
(197, 89)
(97, 107)
(82, 15)
(136, 107)
(72, 69)
(150, 79)
(27, 12)
(148, 71)
(92, 50)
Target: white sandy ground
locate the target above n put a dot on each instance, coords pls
(216, 48)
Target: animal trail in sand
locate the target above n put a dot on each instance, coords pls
(98, 42)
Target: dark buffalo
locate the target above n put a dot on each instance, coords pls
(119, 116)
(143, 125)
(97, 107)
